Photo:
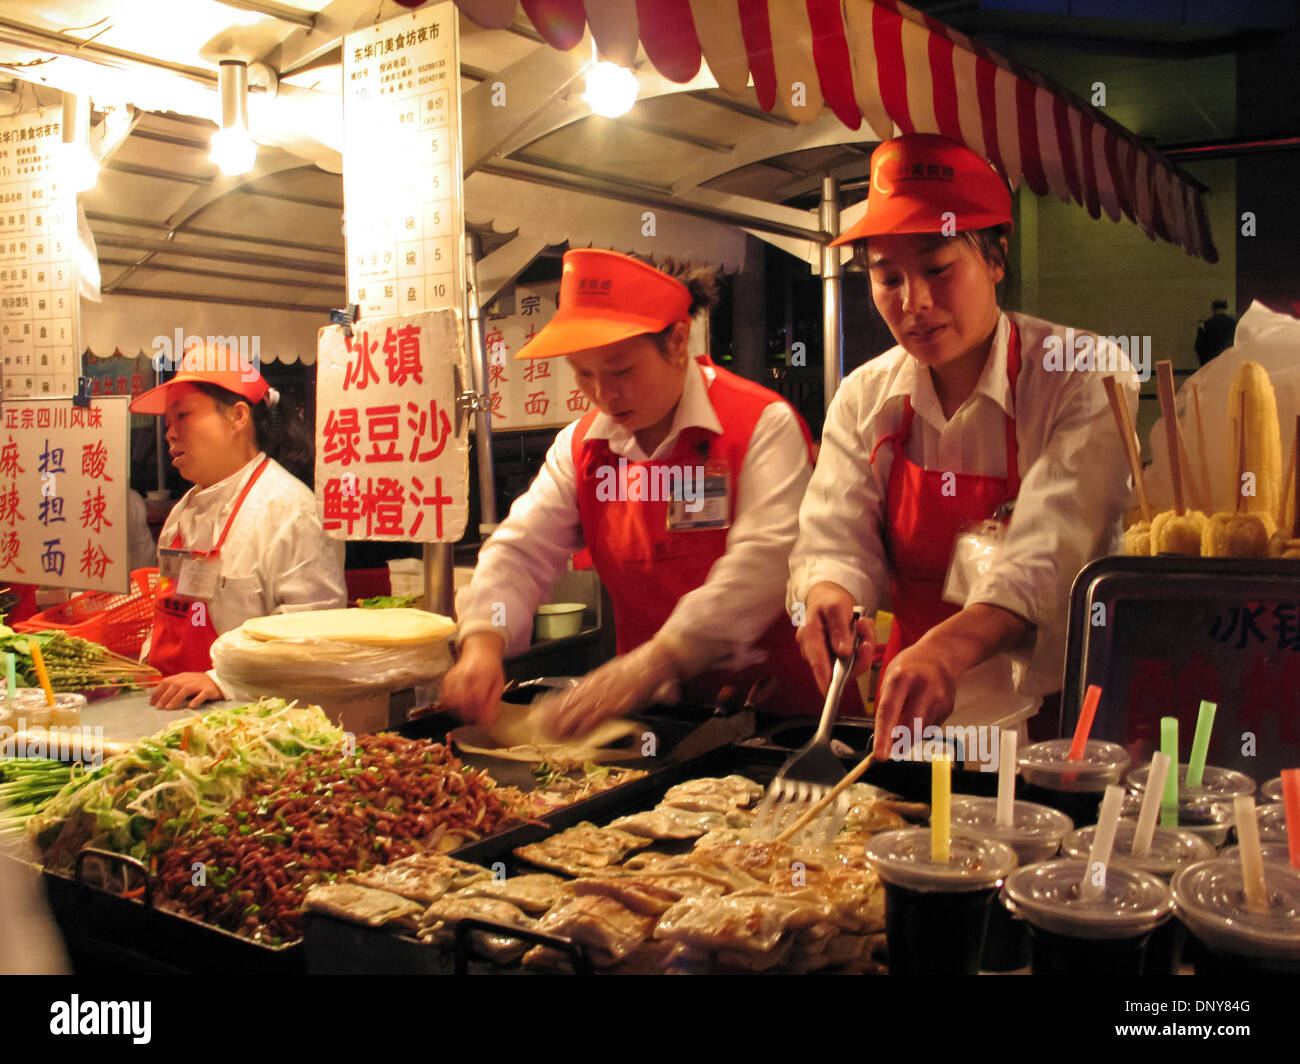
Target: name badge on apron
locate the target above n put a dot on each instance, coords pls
(704, 502)
(196, 575)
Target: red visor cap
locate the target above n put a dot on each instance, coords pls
(925, 183)
(210, 364)
(606, 297)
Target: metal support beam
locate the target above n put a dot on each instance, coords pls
(708, 96)
(189, 298)
(329, 205)
(165, 247)
(215, 234)
(547, 176)
(245, 278)
(487, 492)
(157, 172)
(276, 11)
(832, 323)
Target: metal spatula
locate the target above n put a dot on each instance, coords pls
(810, 773)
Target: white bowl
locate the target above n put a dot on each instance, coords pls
(556, 620)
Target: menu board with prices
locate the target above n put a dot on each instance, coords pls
(64, 476)
(402, 188)
(389, 462)
(39, 304)
(533, 393)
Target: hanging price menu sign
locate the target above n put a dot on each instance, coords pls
(38, 286)
(63, 482)
(401, 164)
(389, 464)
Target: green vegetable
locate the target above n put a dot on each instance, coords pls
(388, 602)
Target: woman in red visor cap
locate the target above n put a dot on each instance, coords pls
(973, 411)
(683, 482)
(245, 541)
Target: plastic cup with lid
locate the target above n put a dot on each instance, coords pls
(1073, 787)
(936, 912)
(1236, 939)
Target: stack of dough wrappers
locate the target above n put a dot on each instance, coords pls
(731, 903)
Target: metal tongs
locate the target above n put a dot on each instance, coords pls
(810, 773)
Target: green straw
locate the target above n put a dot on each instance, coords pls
(1169, 745)
(1200, 744)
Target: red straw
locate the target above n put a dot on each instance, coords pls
(1291, 798)
(1090, 699)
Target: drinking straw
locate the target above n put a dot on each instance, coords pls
(11, 675)
(1146, 825)
(1291, 799)
(1169, 745)
(1200, 744)
(940, 809)
(1102, 844)
(38, 663)
(1090, 699)
(1007, 779)
(1252, 858)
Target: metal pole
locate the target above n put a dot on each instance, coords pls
(478, 360)
(159, 434)
(832, 325)
(439, 577)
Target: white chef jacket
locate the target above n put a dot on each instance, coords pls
(1074, 483)
(713, 626)
(276, 559)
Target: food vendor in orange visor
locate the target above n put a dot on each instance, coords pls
(927, 447)
(683, 482)
(245, 541)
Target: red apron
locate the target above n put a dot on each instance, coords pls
(178, 642)
(922, 521)
(647, 568)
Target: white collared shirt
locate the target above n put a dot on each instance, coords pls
(719, 620)
(276, 559)
(1073, 491)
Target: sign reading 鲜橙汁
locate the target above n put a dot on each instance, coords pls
(389, 462)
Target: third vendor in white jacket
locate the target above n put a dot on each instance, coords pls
(973, 410)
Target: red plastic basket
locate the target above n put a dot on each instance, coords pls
(120, 622)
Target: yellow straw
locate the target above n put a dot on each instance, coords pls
(38, 662)
(940, 809)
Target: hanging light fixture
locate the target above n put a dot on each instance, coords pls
(611, 89)
(233, 149)
(78, 164)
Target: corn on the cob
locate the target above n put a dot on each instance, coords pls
(1263, 439)
(1280, 546)
(1236, 536)
(1137, 539)
(1172, 534)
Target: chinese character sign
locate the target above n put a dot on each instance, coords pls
(401, 164)
(389, 465)
(64, 476)
(39, 307)
(537, 392)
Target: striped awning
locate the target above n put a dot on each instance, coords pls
(885, 62)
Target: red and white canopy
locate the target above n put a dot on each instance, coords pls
(885, 62)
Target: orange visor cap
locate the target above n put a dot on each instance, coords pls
(925, 183)
(209, 364)
(606, 297)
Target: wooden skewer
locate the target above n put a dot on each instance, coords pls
(830, 796)
(1208, 497)
(1295, 466)
(1165, 389)
(1287, 484)
(1126, 434)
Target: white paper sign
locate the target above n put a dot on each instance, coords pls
(39, 302)
(389, 465)
(64, 476)
(401, 164)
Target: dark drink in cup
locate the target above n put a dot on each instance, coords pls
(1170, 850)
(1272, 789)
(1074, 935)
(1217, 784)
(1035, 835)
(1073, 787)
(1233, 938)
(936, 913)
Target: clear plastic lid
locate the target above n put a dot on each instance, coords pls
(1215, 782)
(1048, 765)
(975, 862)
(1272, 789)
(1036, 830)
(1200, 816)
(1278, 852)
(1272, 822)
(1211, 902)
(1047, 895)
(1170, 849)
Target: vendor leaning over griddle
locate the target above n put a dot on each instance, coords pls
(697, 582)
(974, 408)
(245, 541)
